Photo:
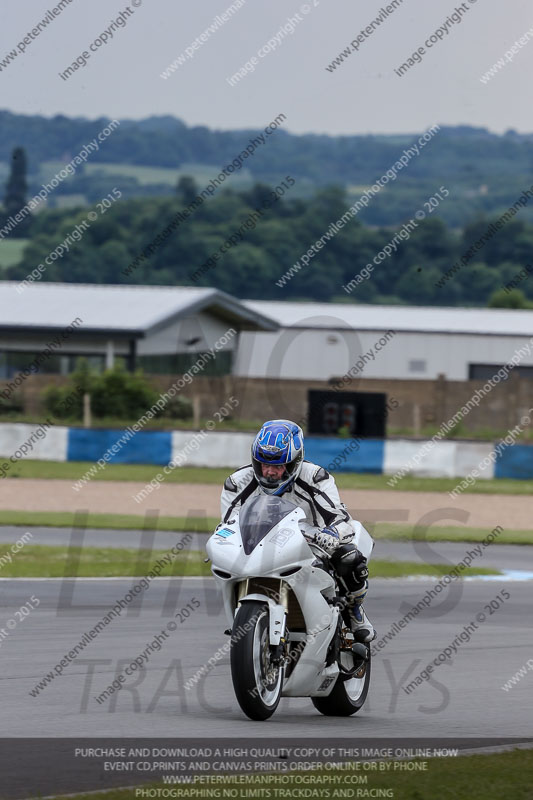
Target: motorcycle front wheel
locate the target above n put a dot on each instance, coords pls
(256, 681)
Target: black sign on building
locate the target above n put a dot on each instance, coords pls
(363, 413)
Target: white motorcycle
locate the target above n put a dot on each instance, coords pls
(290, 632)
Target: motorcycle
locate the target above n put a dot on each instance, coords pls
(289, 625)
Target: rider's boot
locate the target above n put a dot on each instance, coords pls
(360, 625)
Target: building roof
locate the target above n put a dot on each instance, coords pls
(127, 310)
(136, 311)
(418, 319)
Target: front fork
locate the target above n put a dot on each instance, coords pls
(278, 606)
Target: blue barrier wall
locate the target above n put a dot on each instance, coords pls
(346, 455)
(149, 447)
(514, 462)
(450, 458)
(154, 447)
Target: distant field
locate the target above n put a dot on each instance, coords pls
(11, 251)
(202, 173)
(353, 188)
(145, 175)
(47, 170)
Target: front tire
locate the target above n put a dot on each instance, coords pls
(256, 681)
(347, 696)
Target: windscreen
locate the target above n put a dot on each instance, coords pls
(259, 515)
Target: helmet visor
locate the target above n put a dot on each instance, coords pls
(274, 482)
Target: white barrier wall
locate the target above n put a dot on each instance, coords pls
(210, 449)
(215, 449)
(437, 462)
(19, 440)
(468, 456)
(444, 460)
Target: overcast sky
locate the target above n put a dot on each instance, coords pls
(363, 95)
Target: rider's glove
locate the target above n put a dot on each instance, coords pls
(326, 538)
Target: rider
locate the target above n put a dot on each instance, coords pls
(278, 468)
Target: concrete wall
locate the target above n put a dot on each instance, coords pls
(429, 403)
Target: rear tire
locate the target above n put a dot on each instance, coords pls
(346, 697)
(257, 683)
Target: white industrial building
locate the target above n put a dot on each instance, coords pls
(164, 328)
(319, 341)
(159, 328)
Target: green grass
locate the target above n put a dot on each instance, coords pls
(411, 483)
(499, 776)
(458, 433)
(67, 519)
(73, 470)
(409, 533)
(156, 424)
(379, 530)
(400, 569)
(11, 251)
(43, 561)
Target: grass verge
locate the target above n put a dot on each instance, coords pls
(43, 561)
(402, 569)
(74, 470)
(379, 530)
(67, 519)
(403, 532)
(479, 777)
(119, 424)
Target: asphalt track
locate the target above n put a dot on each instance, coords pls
(464, 697)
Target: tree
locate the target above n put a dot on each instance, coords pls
(186, 189)
(248, 253)
(513, 299)
(16, 188)
(114, 393)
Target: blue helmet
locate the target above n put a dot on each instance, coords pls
(279, 441)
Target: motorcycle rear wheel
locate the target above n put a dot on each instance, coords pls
(347, 696)
(256, 681)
